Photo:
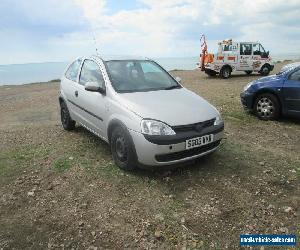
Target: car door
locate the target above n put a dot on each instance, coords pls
(291, 92)
(93, 104)
(245, 57)
(70, 88)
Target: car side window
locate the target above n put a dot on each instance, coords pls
(246, 49)
(72, 71)
(295, 76)
(91, 72)
(256, 50)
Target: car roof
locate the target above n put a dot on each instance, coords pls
(290, 66)
(118, 57)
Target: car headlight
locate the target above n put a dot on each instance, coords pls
(152, 127)
(218, 120)
(247, 86)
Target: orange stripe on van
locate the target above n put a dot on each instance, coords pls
(220, 57)
(231, 58)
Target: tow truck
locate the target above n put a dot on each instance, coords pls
(233, 56)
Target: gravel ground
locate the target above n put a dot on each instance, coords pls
(61, 190)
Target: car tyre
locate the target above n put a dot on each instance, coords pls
(265, 70)
(225, 72)
(248, 72)
(122, 149)
(66, 120)
(267, 107)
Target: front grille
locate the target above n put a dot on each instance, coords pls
(186, 153)
(194, 127)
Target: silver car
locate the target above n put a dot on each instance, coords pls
(147, 117)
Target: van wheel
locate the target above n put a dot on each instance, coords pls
(265, 70)
(248, 72)
(122, 149)
(66, 121)
(225, 72)
(267, 107)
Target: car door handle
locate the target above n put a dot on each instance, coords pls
(76, 93)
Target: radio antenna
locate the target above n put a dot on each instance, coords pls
(95, 41)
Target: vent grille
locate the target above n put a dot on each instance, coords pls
(194, 127)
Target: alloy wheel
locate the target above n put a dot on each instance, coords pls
(265, 108)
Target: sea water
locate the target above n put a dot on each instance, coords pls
(17, 74)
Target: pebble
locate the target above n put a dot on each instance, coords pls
(288, 209)
(182, 220)
(92, 248)
(30, 193)
(157, 234)
(283, 230)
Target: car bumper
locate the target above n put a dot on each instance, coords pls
(150, 154)
(247, 100)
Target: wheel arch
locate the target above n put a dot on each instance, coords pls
(267, 91)
(266, 64)
(225, 66)
(61, 100)
(113, 124)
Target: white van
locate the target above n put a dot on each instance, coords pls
(236, 56)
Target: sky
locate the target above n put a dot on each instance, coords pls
(59, 30)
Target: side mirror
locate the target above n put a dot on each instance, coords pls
(94, 87)
(178, 79)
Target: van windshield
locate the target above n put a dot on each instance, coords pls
(139, 75)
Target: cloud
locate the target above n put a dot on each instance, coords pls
(59, 30)
(162, 28)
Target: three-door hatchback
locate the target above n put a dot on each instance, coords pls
(146, 115)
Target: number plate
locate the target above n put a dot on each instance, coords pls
(199, 141)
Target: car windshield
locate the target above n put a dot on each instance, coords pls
(139, 75)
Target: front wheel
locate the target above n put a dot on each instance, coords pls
(66, 121)
(225, 72)
(265, 70)
(267, 107)
(122, 149)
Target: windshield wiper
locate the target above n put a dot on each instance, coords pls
(173, 87)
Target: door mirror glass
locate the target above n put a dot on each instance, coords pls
(178, 79)
(93, 87)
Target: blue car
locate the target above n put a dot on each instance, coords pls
(272, 96)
